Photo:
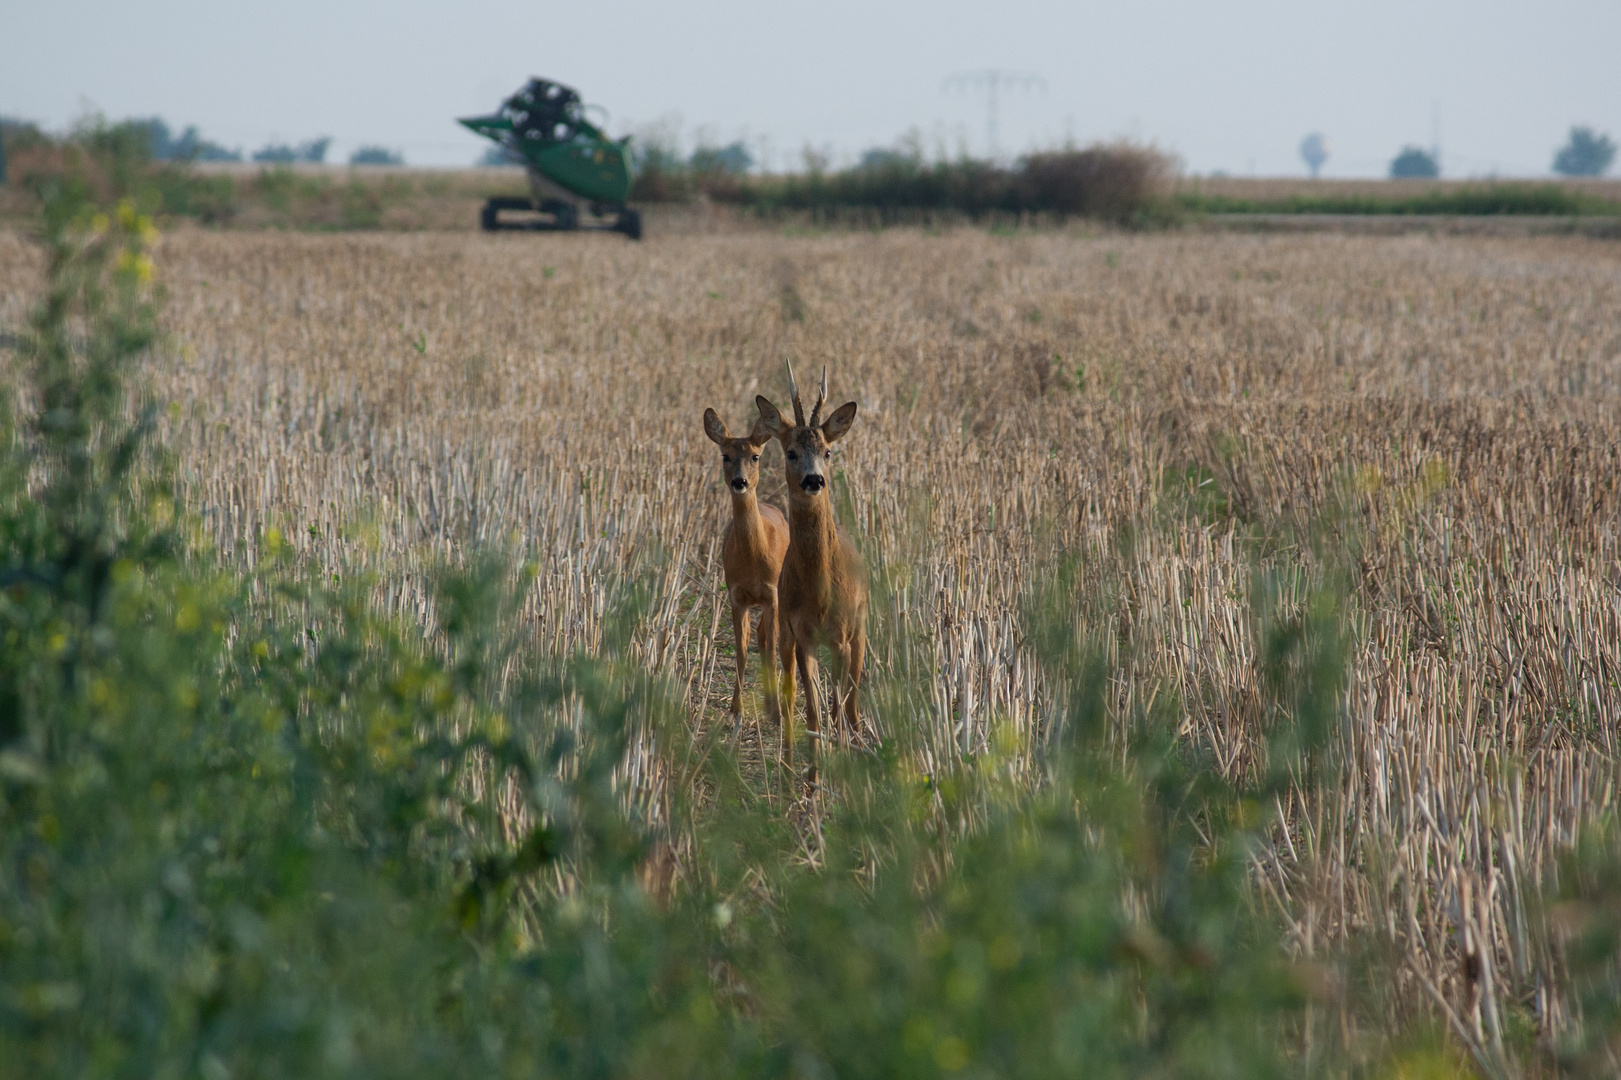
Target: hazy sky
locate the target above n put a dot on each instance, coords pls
(1229, 86)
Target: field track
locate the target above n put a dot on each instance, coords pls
(389, 400)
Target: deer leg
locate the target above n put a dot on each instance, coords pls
(840, 661)
(768, 669)
(740, 628)
(768, 656)
(813, 703)
(850, 683)
(789, 653)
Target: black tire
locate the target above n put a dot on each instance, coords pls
(487, 217)
(630, 223)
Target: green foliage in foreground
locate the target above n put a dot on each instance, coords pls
(249, 826)
(1485, 199)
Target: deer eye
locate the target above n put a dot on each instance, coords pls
(726, 459)
(828, 455)
(792, 456)
(756, 457)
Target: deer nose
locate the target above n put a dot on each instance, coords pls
(739, 484)
(813, 483)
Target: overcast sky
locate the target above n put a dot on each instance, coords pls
(1227, 86)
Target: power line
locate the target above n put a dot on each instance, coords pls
(992, 81)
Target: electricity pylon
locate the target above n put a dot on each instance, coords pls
(992, 81)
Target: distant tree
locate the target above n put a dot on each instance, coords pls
(1414, 163)
(17, 136)
(887, 157)
(1314, 151)
(22, 134)
(1586, 154)
(275, 154)
(213, 151)
(376, 155)
(191, 146)
(159, 140)
(733, 159)
(312, 151)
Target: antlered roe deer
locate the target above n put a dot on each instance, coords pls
(751, 554)
(822, 595)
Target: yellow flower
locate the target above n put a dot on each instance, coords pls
(139, 265)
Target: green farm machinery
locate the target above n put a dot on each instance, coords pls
(573, 167)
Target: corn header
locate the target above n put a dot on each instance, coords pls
(573, 167)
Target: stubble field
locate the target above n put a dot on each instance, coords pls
(1177, 415)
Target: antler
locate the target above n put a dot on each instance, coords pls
(793, 391)
(799, 407)
(821, 399)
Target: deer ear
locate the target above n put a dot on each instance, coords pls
(761, 433)
(837, 425)
(714, 427)
(770, 419)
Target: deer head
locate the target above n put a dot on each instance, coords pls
(739, 458)
(806, 444)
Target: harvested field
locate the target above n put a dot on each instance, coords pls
(385, 401)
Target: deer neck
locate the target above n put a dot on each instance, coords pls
(813, 536)
(747, 525)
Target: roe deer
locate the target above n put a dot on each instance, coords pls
(751, 554)
(822, 596)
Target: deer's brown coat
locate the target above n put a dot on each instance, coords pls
(751, 554)
(822, 594)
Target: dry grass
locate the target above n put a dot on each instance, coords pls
(388, 399)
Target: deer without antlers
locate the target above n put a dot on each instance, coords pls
(751, 554)
(822, 595)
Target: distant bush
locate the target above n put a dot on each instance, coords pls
(376, 155)
(733, 159)
(886, 157)
(139, 138)
(275, 154)
(1586, 154)
(17, 136)
(1414, 163)
(661, 174)
(106, 160)
(312, 151)
(1112, 183)
(1120, 182)
(20, 135)
(189, 145)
